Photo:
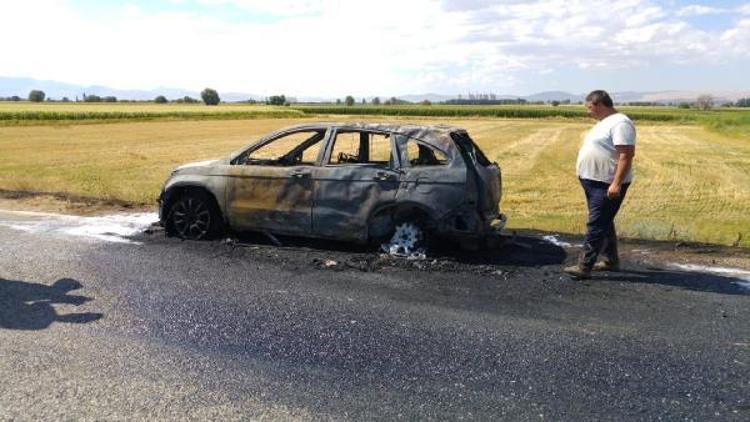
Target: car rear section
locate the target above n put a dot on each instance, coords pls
(484, 184)
(460, 190)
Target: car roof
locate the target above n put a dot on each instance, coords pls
(434, 134)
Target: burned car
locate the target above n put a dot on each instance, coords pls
(353, 182)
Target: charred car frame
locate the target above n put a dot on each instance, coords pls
(353, 182)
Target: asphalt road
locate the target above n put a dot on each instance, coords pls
(166, 329)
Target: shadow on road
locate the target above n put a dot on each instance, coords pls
(525, 251)
(522, 251)
(694, 281)
(28, 306)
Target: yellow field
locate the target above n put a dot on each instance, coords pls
(691, 184)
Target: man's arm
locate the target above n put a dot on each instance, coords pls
(625, 154)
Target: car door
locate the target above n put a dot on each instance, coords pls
(435, 179)
(357, 175)
(270, 185)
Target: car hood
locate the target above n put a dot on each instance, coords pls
(204, 163)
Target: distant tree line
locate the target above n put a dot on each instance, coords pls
(349, 101)
(277, 100)
(97, 99)
(395, 101)
(209, 96)
(479, 101)
(160, 99)
(472, 96)
(186, 100)
(643, 104)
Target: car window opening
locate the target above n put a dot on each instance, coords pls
(298, 148)
(467, 145)
(361, 148)
(421, 155)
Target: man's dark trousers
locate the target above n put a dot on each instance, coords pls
(600, 234)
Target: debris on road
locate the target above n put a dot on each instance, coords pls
(273, 239)
(557, 242)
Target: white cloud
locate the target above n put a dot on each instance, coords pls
(277, 7)
(643, 16)
(738, 38)
(700, 10)
(634, 33)
(336, 47)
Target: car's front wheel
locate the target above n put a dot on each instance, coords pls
(194, 216)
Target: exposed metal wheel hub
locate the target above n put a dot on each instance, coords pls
(405, 240)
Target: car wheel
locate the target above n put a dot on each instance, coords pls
(194, 216)
(407, 238)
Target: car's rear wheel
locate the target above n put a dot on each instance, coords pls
(409, 237)
(194, 216)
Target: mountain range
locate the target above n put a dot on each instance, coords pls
(10, 86)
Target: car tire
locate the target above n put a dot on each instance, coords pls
(194, 216)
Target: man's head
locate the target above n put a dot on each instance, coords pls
(599, 104)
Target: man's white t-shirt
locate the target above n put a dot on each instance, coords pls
(597, 158)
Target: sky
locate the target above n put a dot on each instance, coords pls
(383, 47)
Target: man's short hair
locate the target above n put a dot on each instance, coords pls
(599, 97)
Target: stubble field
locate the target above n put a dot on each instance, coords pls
(691, 183)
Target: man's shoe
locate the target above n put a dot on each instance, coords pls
(607, 266)
(577, 272)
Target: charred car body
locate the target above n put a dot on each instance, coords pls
(354, 182)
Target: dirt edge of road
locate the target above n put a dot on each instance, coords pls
(637, 250)
(66, 203)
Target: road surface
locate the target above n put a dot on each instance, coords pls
(113, 323)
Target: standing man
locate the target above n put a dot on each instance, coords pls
(604, 169)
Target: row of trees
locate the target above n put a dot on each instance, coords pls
(208, 95)
(349, 101)
(211, 97)
(486, 101)
(160, 99)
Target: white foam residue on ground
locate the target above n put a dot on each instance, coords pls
(19, 227)
(555, 241)
(736, 273)
(110, 228)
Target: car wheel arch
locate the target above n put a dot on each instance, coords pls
(175, 192)
(384, 219)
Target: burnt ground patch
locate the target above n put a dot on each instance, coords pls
(523, 254)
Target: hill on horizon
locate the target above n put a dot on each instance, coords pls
(10, 86)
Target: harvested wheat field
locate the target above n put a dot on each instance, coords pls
(691, 184)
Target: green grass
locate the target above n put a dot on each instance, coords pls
(656, 114)
(23, 113)
(735, 125)
(732, 121)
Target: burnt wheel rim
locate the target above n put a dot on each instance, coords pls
(191, 218)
